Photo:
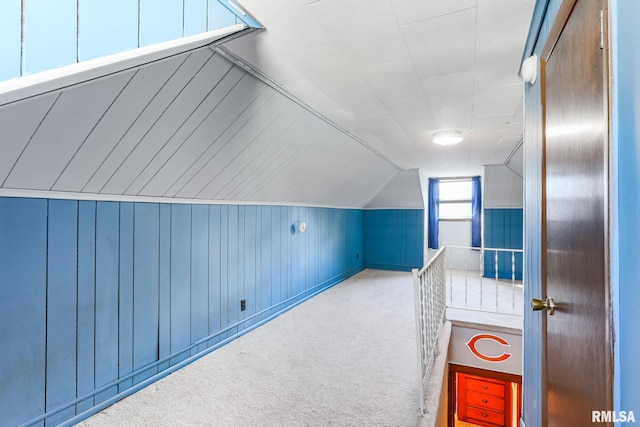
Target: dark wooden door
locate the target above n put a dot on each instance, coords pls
(575, 222)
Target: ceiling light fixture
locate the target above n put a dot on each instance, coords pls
(447, 137)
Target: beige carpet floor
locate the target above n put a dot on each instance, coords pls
(346, 357)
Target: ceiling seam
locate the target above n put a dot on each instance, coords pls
(126, 132)
(124, 87)
(160, 116)
(194, 130)
(31, 139)
(175, 133)
(272, 83)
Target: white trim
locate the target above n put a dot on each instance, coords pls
(58, 78)
(378, 208)
(62, 195)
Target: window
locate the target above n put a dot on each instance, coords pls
(455, 199)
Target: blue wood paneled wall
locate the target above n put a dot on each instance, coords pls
(98, 297)
(394, 239)
(503, 228)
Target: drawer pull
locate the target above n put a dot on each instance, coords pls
(485, 387)
(485, 401)
(484, 415)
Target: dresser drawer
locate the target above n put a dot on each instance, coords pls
(484, 416)
(482, 400)
(485, 387)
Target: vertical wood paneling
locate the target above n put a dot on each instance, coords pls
(250, 238)
(180, 280)
(199, 275)
(23, 245)
(146, 251)
(241, 260)
(125, 296)
(503, 228)
(233, 286)
(215, 255)
(106, 300)
(62, 291)
(266, 257)
(126, 284)
(86, 301)
(393, 239)
(224, 268)
(276, 272)
(164, 291)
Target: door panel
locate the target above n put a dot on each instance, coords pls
(576, 153)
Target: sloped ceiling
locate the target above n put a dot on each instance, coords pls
(403, 191)
(393, 72)
(190, 126)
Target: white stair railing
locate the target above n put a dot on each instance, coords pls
(430, 304)
(470, 287)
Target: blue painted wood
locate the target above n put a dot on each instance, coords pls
(180, 281)
(164, 291)
(224, 269)
(199, 275)
(276, 255)
(160, 21)
(107, 27)
(250, 263)
(49, 24)
(195, 17)
(215, 284)
(266, 260)
(219, 16)
(10, 18)
(106, 300)
(233, 267)
(625, 204)
(146, 283)
(240, 262)
(503, 228)
(62, 291)
(153, 279)
(125, 296)
(23, 237)
(393, 239)
(86, 301)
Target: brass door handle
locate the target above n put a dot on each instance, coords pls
(548, 304)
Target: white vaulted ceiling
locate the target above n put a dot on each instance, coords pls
(189, 126)
(393, 72)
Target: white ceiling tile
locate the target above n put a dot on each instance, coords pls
(408, 11)
(503, 18)
(498, 61)
(500, 100)
(484, 123)
(443, 45)
(457, 117)
(393, 81)
(451, 90)
(328, 68)
(290, 26)
(365, 30)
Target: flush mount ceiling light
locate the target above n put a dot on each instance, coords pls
(447, 137)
